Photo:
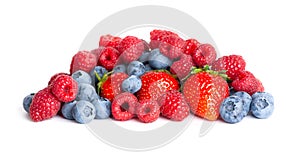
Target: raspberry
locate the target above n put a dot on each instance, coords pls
(97, 52)
(84, 61)
(204, 54)
(110, 41)
(183, 66)
(44, 106)
(123, 107)
(247, 82)
(64, 88)
(172, 46)
(148, 111)
(108, 58)
(190, 46)
(156, 37)
(131, 48)
(55, 76)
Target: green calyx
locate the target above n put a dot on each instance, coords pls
(101, 80)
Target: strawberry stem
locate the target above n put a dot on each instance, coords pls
(101, 80)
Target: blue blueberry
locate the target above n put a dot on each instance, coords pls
(158, 60)
(120, 68)
(132, 84)
(86, 92)
(231, 109)
(66, 110)
(100, 71)
(144, 57)
(27, 101)
(102, 106)
(83, 112)
(148, 68)
(262, 105)
(136, 68)
(246, 98)
(82, 77)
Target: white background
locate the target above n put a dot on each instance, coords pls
(38, 39)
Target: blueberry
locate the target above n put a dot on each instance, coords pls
(27, 101)
(86, 92)
(102, 106)
(136, 68)
(262, 105)
(144, 57)
(66, 110)
(120, 68)
(231, 109)
(100, 71)
(132, 84)
(82, 77)
(148, 68)
(246, 98)
(83, 112)
(158, 60)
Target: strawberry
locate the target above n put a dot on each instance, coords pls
(174, 106)
(83, 60)
(64, 88)
(44, 106)
(183, 66)
(247, 82)
(190, 46)
(172, 46)
(204, 54)
(123, 106)
(204, 93)
(111, 85)
(108, 58)
(154, 84)
(232, 64)
(131, 48)
(148, 111)
(110, 41)
(156, 37)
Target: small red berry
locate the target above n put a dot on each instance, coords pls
(123, 107)
(205, 54)
(83, 60)
(190, 46)
(108, 58)
(148, 111)
(183, 66)
(64, 88)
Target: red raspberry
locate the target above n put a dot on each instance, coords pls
(123, 107)
(131, 48)
(110, 41)
(148, 111)
(97, 52)
(108, 58)
(204, 54)
(174, 106)
(44, 106)
(64, 88)
(183, 66)
(156, 37)
(172, 46)
(247, 82)
(233, 64)
(190, 46)
(55, 76)
(84, 61)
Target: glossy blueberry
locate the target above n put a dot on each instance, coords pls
(120, 68)
(144, 57)
(158, 60)
(246, 98)
(262, 105)
(66, 110)
(86, 92)
(100, 71)
(136, 68)
(82, 77)
(102, 106)
(132, 84)
(231, 109)
(27, 101)
(83, 112)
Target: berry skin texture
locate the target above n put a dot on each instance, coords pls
(183, 66)
(232, 64)
(148, 111)
(155, 84)
(27, 101)
(231, 109)
(190, 46)
(66, 110)
(120, 68)
(83, 60)
(86, 92)
(172, 46)
(103, 108)
(64, 88)
(174, 106)
(108, 58)
(55, 76)
(158, 60)
(44, 106)
(110, 41)
(82, 77)
(123, 106)
(132, 84)
(247, 82)
(136, 68)
(246, 99)
(205, 54)
(83, 112)
(100, 71)
(131, 48)
(262, 105)
(204, 93)
(156, 37)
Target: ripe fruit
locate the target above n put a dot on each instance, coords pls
(205, 54)
(123, 106)
(155, 84)
(44, 106)
(132, 84)
(158, 60)
(172, 46)
(120, 68)
(64, 88)
(231, 109)
(204, 93)
(86, 92)
(190, 46)
(55, 76)
(148, 111)
(82, 77)
(174, 106)
(108, 58)
(183, 66)
(110, 41)
(66, 110)
(103, 108)
(83, 60)
(83, 112)
(100, 71)
(262, 105)
(246, 81)
(156, 37)
(131, 48)
(136, 68)
(246, 99)
(27, 102)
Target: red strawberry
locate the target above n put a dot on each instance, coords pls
(172, 46)
(232, 64)
(156, 37)
(64, 88)
(112, 86)
(190, 46)
(155, 84)
(247, 82)
(123, 107)
(174, 106)
(55, 76)
(204, 93)
(44, 106)
(110, 41)
(131, 48)
(148, 111)
(108, 58)
(84, 61)
(183, 66)
(204, 54)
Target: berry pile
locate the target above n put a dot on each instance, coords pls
(171, 77)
